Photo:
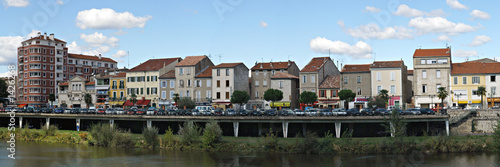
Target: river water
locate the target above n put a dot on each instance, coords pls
(45, 154)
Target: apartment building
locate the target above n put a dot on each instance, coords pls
(227, 78)
(185, 76)
(315, 72)
(72, 93)
(167, 89)
(328, 92)
(467, 77)
(391, 76)
(357, 78)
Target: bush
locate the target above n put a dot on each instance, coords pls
(189, 133)
(309, 144)
(102, 134)
(151, 136)
(83, 136)
(169, 139)
(270, 142)
(51, 131)
(212, 135)
(122, 139)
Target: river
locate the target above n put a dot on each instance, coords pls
(47, 154)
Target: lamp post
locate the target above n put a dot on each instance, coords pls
(432, 100)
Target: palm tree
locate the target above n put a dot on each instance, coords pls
(88, 99)
(481, 91)
(133, 98)
(52, 98)
(442, 94)
(384, 94)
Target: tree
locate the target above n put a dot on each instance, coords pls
(273, 95)
(52, 98)
(240, 97)
(3, 89)
(481, 91)
(88, 99)
(307, 97)
(187, 102)
(176, 98)
(442, 94)
(346, 95)
(377, 101)
(384, 94)
(396, 126)
(133, 98)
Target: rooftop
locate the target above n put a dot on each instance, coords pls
(227, 65)
(170, 74)
(282, 75)
(190, 61)
(356, 68)
(42, 37)
(154, 64)
(315, 64)
(272, 65)
(330, 82)
(475, 68)
(207, 73)
(409, 72)
(387, 64)
(432, 52)
(87, 57)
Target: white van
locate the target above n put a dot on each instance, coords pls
(205, 110)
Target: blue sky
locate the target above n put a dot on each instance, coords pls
(351, 32)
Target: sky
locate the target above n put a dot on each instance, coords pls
(350, 32)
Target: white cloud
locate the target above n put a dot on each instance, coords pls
(372, 31)
(73, 47)
(477, 14)
(60, 2)
(9, 45)
(443, 38)
(120, 32)
(436, 13)
(404, 10)
(15, 3)
(120, 54)
(97, 40)
(439, 25)
(325, 46)
(480, 40)
(341, 23)
(464, 53)
(263, 24)
(7, 74)
(103, 49)
(106, 18)
(455, 4)
(372, 9)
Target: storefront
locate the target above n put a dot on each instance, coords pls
(495, 101)
(280, 105)
(360, 102)
(329, 103)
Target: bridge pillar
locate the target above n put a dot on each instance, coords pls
(78, 124)
(337, 129)
(20, 122)
(148, 123)
(304, 128)
(392, 129)
(235, 128)
(447, 128)
(285, 129)
(111, 123)
(260, 128)
(47, 122)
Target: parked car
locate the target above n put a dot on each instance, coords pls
(312, 112)
(427, 111)
(414, 111)
(339, 112)
(46, 110)
(367, 111)
(59, 110)
(204, 109)
(381, 111)
(75, 111)
(242, 112)
(256, 113)
(101, 111)
(218, 112)
(495, 107)
(230, 112)
(271, 112)
(119, 111)
(172, 112)
(151, 111)
(131, 112)
(195, 112)
(92, 111)
(84, 110)
(299, 112)
(161, 112)
(287, 112)
(353, 112)
(67, 111)
(140, 111)
(37, 110)
(402, 112)
(326, 112)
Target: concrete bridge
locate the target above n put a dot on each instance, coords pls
(279, 123)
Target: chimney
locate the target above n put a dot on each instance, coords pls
(261, 64)
(271, 63)
(99, 56)
(51, 36)
(288, 62)
(44, 35)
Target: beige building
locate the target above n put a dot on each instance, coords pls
(188, 85)
(261, 79)
(391, 76)
(167, 89)
(431, 70)
(357, 78)
(289, 85)
(328, 92)
(203, 87)
(142, 81)
(226, 78)
(72, 93)
(315, 72)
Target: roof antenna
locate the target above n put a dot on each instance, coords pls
(447, 45)
(128, 61)
(420, 47)
(374, 56)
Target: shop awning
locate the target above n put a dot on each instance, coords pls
(280, 104)
(116, 103)
(21, 105)
(139, 103)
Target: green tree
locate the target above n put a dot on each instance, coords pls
(3, 88)
(481, 91)
(176, 97)
(442, 94)
(377, 101)
(187, 102)
(307, 97)
(52, 98)
(88, 99)
(384, 94)
(346, 95)
(133, 98)
(240, 97)
(396, 126)
(273, 95)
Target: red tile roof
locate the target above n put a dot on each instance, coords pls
(104, 77)
(227, 65)
(87, 57)
(484, 60)
(190, 61)
(282, 75)
(475, 68)
(170, 74)
(154, 64)
(315, 64)
(330, 82)
(120, 75)
(64, 84)
(207, 73)
(410, 72)
(387, 64)
(356, 68)
(41, 38)
(90, 83)
(275, 65)
(432, 52)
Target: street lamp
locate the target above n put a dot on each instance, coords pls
(432, 100)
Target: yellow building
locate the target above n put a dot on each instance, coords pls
(465, 80)
(117, 89)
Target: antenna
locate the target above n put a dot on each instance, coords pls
(288, 57)
(220, 61)
(446, 44)
(420, 47)
(128, 61)
(374, 56)
(329, 53)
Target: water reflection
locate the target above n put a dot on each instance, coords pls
(46, 154)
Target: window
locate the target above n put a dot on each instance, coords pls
(264, 83)
(379, 76)
(189, 83)
(313, 79)
(172, 83)
(359, 91)
(218, 95)
(181, 83)
(422, 61)
(379, 88)
(218, 83)
(181, 71)
(142, 91)
(493, 78)
(393, 89)
(437, 87)
(455, 80)
(438, 73)
(304, 79)
(474, 92)
(281, 84)
(227, 95)
(227, 72)
(147, 78)
(393, 76)
(188, 72)
(358, 79)
(424, 88)
(265, 72)
(273, 72)
(163, 84)
(218, 72)
(188, 93)
(114, 95)
(475, 80)
(256, 83)
(121, 95)
(256, 94)
(494, 90)
(322, 93)
(424, 74)
(172, 94)
(464, 80)
(227, 83)
(209, 83)
(345, 79)
(147, 91)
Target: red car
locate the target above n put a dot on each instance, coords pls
(101, 111)
(130, 112)
(140, 111)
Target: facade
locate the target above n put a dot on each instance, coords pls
(203, 87)
(226, 78)
(391, 76)
(72, 93)
(431, 70)
(467, 77)
(493, 97)
(118, 91)
(167, 89)
(315, 72)
(142, 81)
(44, 63)
(357, 78)
(409, 73)
(261, 80)
(289, 85)
(328, 92)
(185, 76)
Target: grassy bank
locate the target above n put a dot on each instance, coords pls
(269, 143)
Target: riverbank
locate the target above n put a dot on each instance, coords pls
(309, 144)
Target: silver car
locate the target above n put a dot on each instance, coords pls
(339, 112)
(119, 111)
(110, 111)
